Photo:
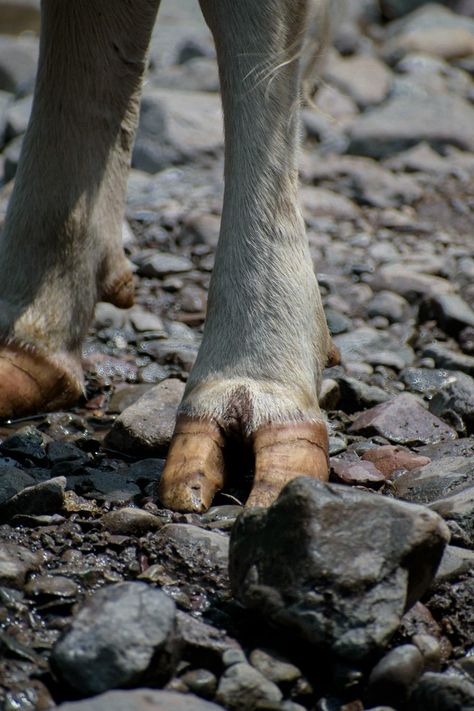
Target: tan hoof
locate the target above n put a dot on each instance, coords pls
(194, 470)
(120, 291)
(284, 452)
(333, 357)
(30, 383)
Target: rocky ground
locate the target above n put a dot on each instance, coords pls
(100, 588)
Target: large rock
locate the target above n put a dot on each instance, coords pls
(141, 700)
(401, 122)
(146, 427)
(176, 127)
(243, 688)
(374, 347)
(365, 79)
(123, 635)
(443, 692)
(334, 565)
(403, 420)
(443, 477)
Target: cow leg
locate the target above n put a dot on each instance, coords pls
(61, 248)
(266, 341)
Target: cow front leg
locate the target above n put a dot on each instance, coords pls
(265, 343)
(61, 248)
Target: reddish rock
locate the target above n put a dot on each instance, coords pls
(403, 420)
(358, 472)
(389, 458)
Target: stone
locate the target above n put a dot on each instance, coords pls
(442, 692)
(18, 60)
(459, 508)
(47, 497)
(145, 428)
(158, 264)
(430, 649)
(124, 397)
(450, 311)
(123, 634)
(15, 563)
(311, 564)
(389, 458)
(455, 395)
(12, 481)
(389, 305)
(176, 127)
(141, 700)
(321, 202)
(243, 688)
(201, 682)
(17, 117)
(403, 420)
(445, 358)
(398, 8)
(431, 29)
(365, 79)
(131, 522)
(145, 321)
(26, 444)
(356, 395)
(274, 667)
(394, 677)
(440, 120)
(172, 351)
(203, 644)
(17, 16)
(204, 227)
(369, 345)
(442, 477)
(356, 472)
(456, 448)
(409, 283)
(426, 381)
(51, 587)
(455, 562)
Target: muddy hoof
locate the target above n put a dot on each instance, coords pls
(194, 470)
(31, 382)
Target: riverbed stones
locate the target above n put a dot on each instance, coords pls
(141, 700)
(47, 497)
(403, 420)
(123, 634)
(394, 677)
(327, 578)
(244, 688)
(146, 426)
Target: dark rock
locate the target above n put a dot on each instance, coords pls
(15, 564)
(337, 322)
(442, 477)
(445, 358)
(109, 486)
(204, 644)
(147, 425)
(403, 420)
(399, 123)
(356, 395)
(312, 564)
(450, 311)
(456, 395)
(141, 700)
(442, 692)
(426, 381)
(26, 444)
(12, 481)
(131, 522)
(44, 498)
(459, 508)
(123, 634)
(394, 677)
(243, 688)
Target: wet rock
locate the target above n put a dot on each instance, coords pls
(43, 498)
(394, 677)
(310, 564)
(432, 30)
(18, 59)
(454, 563)
(389, 458)
(12, 481)
(51, 587)
(459, 508)
(176, 127)
(15, 563)
(365, 79)
(147, 425)
(403, 420)
(131, 522)
(445, 358)
(443, 693)
(25, 445)
(426, 381)
(204, 644)
(243, 688)
(440, 120)
(356, 472)
(123, 634)
(141, 700)
(442, 477)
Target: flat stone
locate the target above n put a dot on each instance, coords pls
(125, 397)
(426, 381)
(445, 358)
(439, 478)
(51, 587)
(356, 472)
(409, 283)
(177, 127)
(333, 564)
(243, 688)
(450, 311)
(141, 700)
(146, 427)
(15, 563)
(25, 445)
(321, 202)
(455, 562)
(47, 497)
(131, 522)
(365, 79)
(439, 120)
(403, 420)
(370, 345)
(122, 635)
(389, 458)
(456, 448)
(159, 264)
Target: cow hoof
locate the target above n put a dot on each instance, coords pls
(31, 382)
(120, 290)
(195, 468)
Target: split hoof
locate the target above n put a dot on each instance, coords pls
(194, 470)
(30, 383)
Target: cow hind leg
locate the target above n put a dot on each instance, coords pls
(61, 247)
(265, 341)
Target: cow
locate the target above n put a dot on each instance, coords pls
(258, 371)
